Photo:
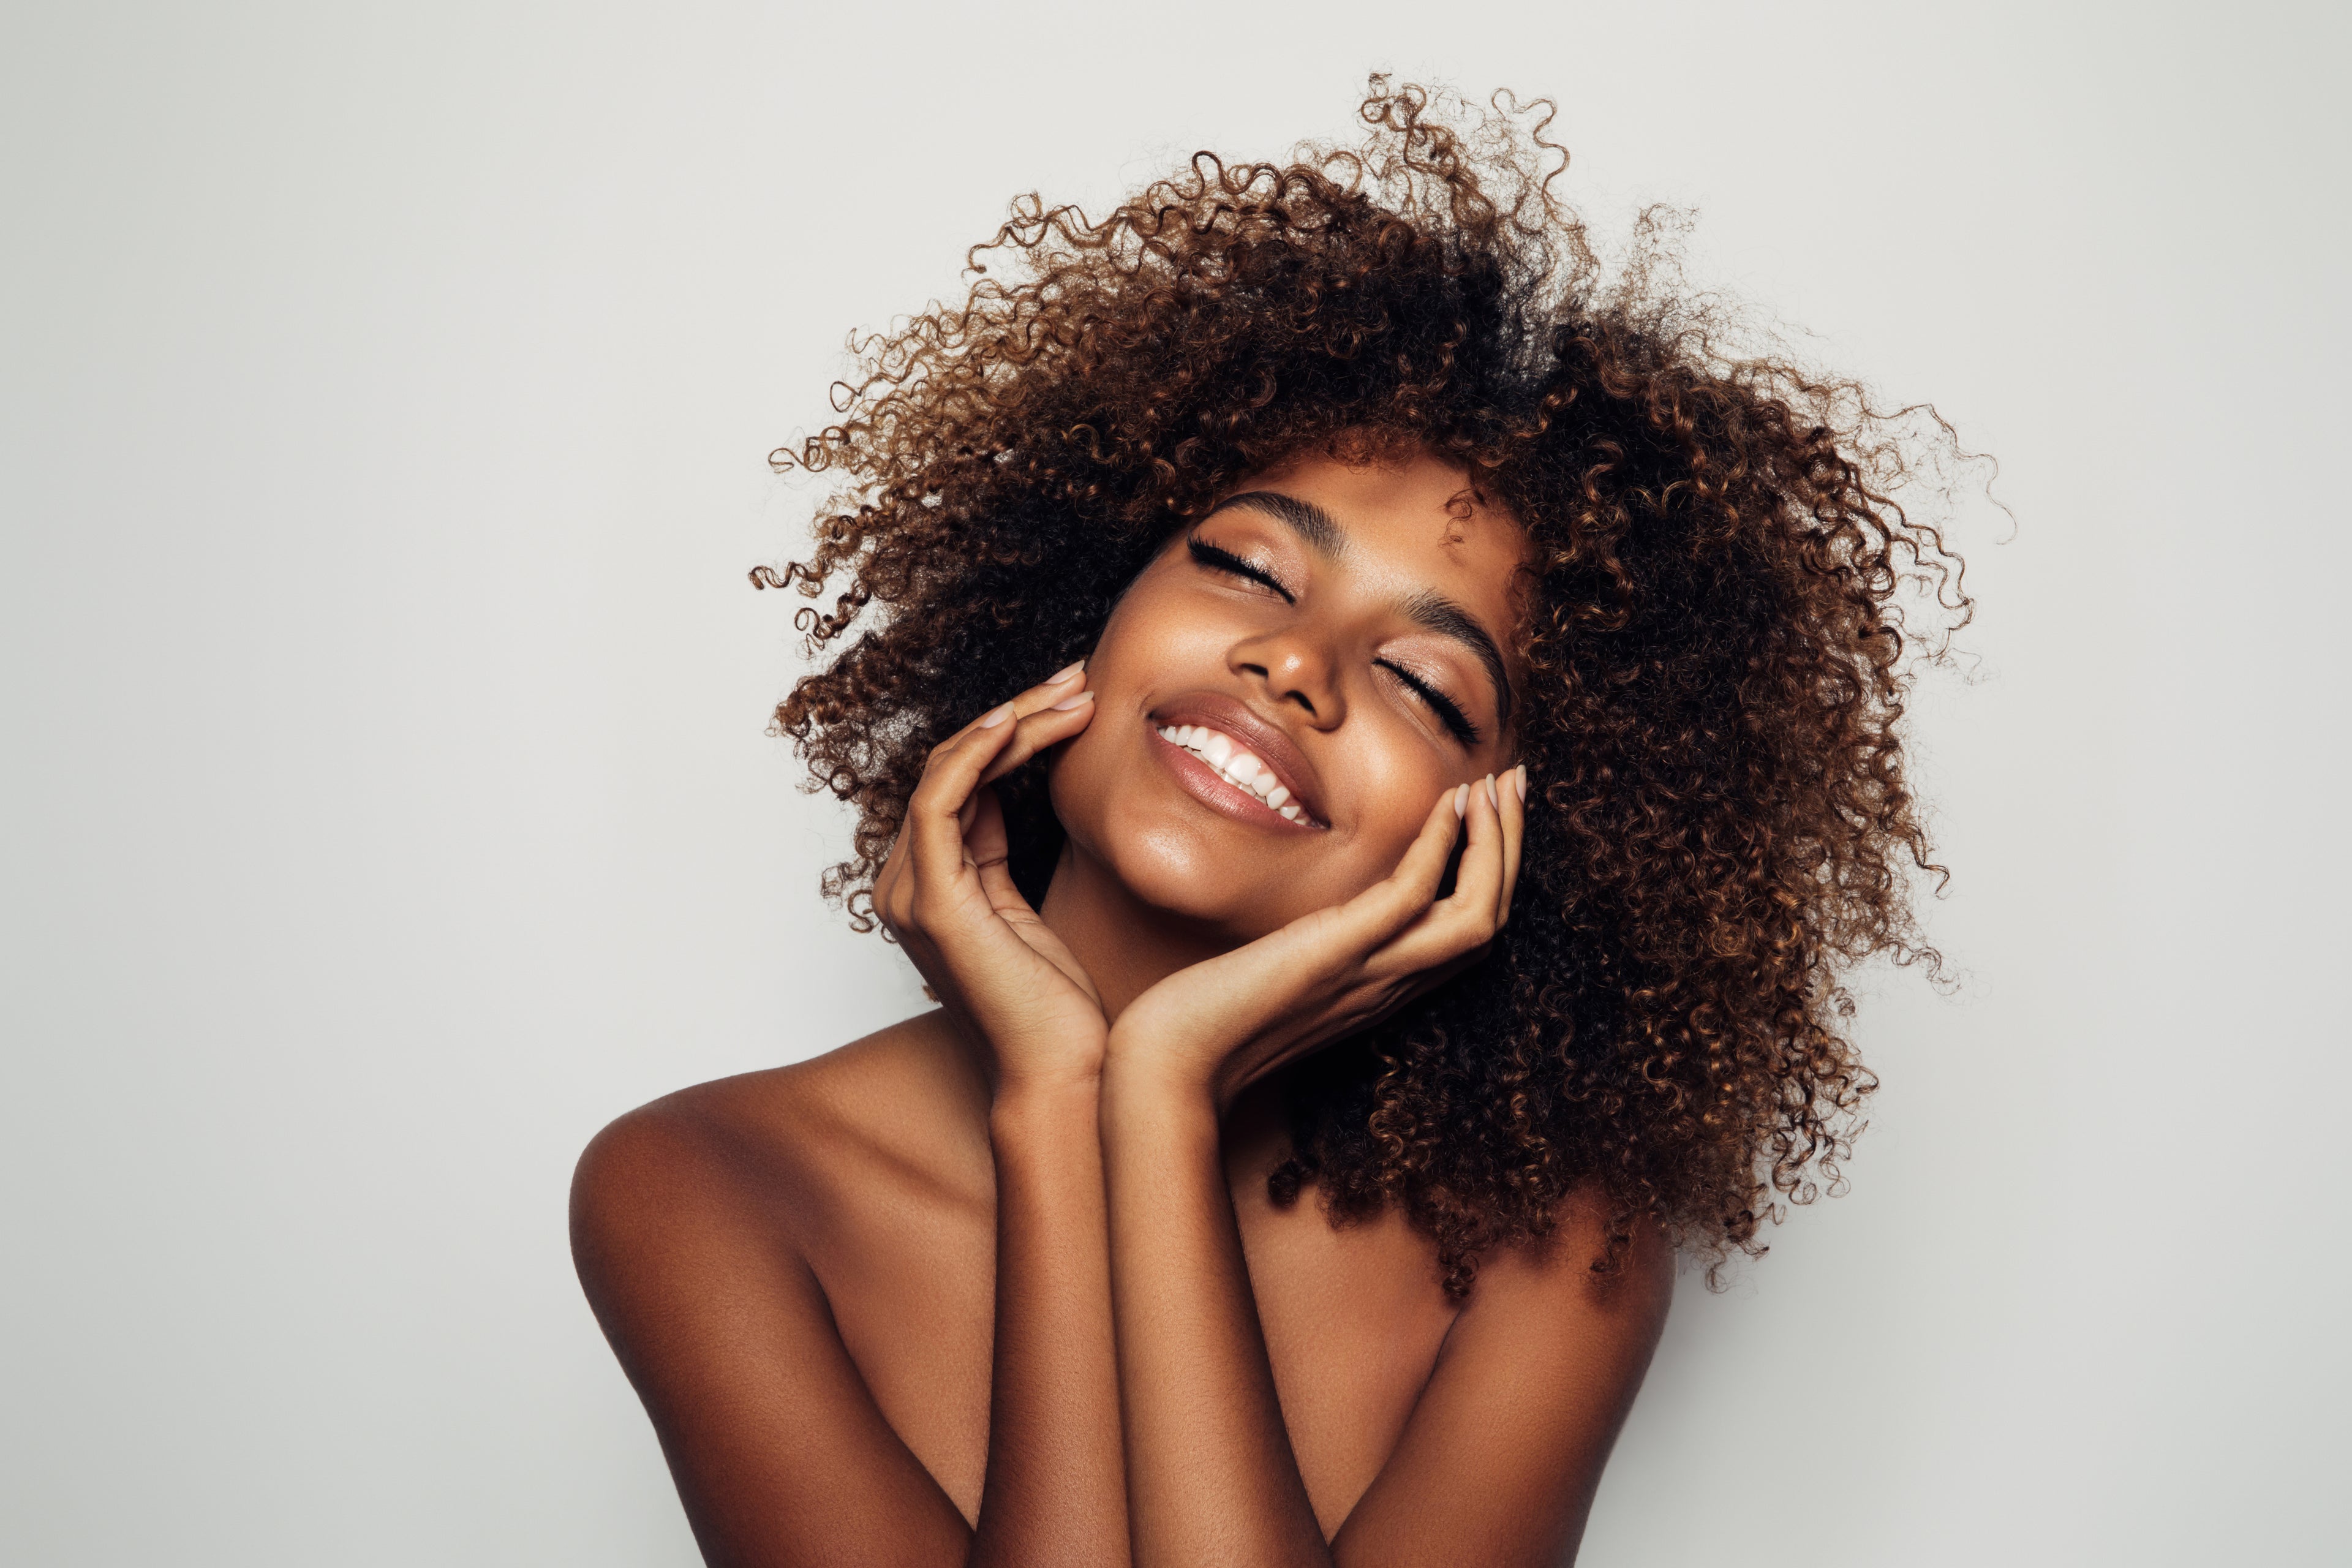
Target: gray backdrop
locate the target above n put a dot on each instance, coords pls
(386, 390)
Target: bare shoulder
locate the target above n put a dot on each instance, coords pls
(892, 1115)
(708, 1226)
(1505, 1450)
(1570, 1271)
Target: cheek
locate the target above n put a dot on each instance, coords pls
(1157, 635)
(1155, 641)
(1383, 774)
(1398, 780)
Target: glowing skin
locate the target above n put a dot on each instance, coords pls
(1309, 669)
(1003, 1285)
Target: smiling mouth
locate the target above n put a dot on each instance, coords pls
(1237, 765)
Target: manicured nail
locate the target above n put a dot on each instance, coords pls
(996, 716)
(1520, 775)
(1462, 800)
(1077, 700)
(1492, 798)
(1059, 675)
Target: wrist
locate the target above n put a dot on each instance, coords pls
(1024, 1102)
(1146, 1074)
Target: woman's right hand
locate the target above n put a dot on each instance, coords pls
(947, 896)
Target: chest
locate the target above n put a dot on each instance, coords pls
(1352, 1315)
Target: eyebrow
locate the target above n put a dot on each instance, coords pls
(1309, 521)
(1428, 608)
(1444, 616)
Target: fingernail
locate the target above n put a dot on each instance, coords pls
(1520, 774)
(1462, 800)
(1078, 701)
(1059, 675)
(1492, 798)
(996, 716)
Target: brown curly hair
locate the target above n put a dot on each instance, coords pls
(1717, 653)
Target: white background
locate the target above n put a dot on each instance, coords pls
(386, 805)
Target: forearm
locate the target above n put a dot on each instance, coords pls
(1211, 1477)
(1054, 1493)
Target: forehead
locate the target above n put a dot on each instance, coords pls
(1414, 523)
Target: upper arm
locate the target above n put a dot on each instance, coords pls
(1500, 1459)
(780, 1455)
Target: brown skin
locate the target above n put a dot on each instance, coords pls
(1004, 1283)
(1023, 1281)
(1728, 574)
(1321, 671)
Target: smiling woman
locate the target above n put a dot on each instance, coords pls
(1323, 634)
(1470, 752)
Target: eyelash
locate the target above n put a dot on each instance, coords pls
(1448, 711)
(1225, 561)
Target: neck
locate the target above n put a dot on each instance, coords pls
(1125, 945)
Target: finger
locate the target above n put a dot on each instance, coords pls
(1049, 726)
(889, 885)
(1044, 694)
(1055, 688)
(1456, 930)
(1387, 907)
(936, 813)
(1478, 885)
(893, 865)
(989, 848)
(1046, 714)
(939, 810)
(1513, 786)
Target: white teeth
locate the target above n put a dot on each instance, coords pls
(1239, 768)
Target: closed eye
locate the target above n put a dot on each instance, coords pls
(1225, 561)
(1449, 712)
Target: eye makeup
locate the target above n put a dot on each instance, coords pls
(1449, 712)
(1225, 561)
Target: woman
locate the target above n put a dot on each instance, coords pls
(1470, 749)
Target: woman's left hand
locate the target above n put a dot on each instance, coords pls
(1220, 1026)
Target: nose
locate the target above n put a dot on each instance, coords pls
(1296, 670)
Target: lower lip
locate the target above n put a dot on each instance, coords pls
(1218, 792)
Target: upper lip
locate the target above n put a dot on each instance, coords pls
(1264, 739)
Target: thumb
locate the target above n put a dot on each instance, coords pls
(988, 847)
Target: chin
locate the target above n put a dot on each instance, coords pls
(1181, 862)
(1177, 869)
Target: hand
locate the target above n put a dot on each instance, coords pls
(1220, 1026)
(946, 894)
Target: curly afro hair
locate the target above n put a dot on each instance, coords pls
(1717, 651)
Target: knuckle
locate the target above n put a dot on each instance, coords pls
(1468, 935)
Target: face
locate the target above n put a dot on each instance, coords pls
(1284, 691)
